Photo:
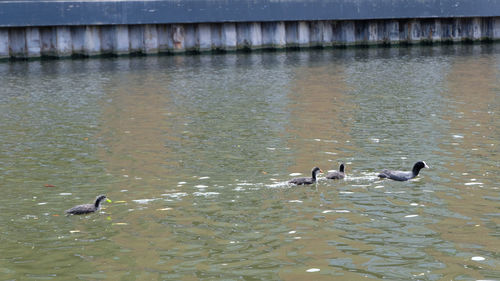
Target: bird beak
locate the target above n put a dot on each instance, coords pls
(108, 200)
(321, 171)
(426, 166)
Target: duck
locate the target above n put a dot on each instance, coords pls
(403, 175)
(336, 175)
(87, 208)
(311, 180)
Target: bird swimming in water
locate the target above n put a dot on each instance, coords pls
(311, 180)
(403, 175)
(87, 208)
(335, 175)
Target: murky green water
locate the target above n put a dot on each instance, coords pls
(195, 152)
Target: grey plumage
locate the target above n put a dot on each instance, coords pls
(403, 175)
(311, 180)
(335, 175)
(86, 208)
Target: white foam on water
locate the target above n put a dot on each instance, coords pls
(182, 182)
(313, 270)
(378, 186)
(270, 148)
(362, 177)
(176, 195)
(244, 183)
(294, 201)
(336, 211)
(65, 193)
(473, 183)
(203, 178)
(144, 201)
(201, 186)
(346, 192)
(414, 204)
(278, 184)
(411, 216)
(292, 232)
(458, 136)
(295, 174)
(206, 194)
(477, 258)
(330, 153)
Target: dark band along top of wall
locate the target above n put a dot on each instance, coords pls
(55, 13)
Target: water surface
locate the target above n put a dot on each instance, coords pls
(195, 152)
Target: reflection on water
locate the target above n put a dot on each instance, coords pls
(195, 152)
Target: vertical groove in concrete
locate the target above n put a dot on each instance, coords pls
(373, 33)
(327, 34)
(496, 28)
(4, 43)
(204, 36)
(255, 34)
(77, 40)
(107, 39)
(303, 34)
(92, 41)
(63, 41)
(33, 42)
(216, 36)
(47, 38)
(273, 35)
(17, 42)
(229, 39)
(150, 45)
(190, 37)
(121, 40)
(291, 31)
(243, 40)
(164, 38)
(135, 33)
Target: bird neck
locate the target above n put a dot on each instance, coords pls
(416, 170)
(98, 202)
(313, 176)
(341, 169)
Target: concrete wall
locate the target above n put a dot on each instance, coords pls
(58, 28)
(92, 40)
